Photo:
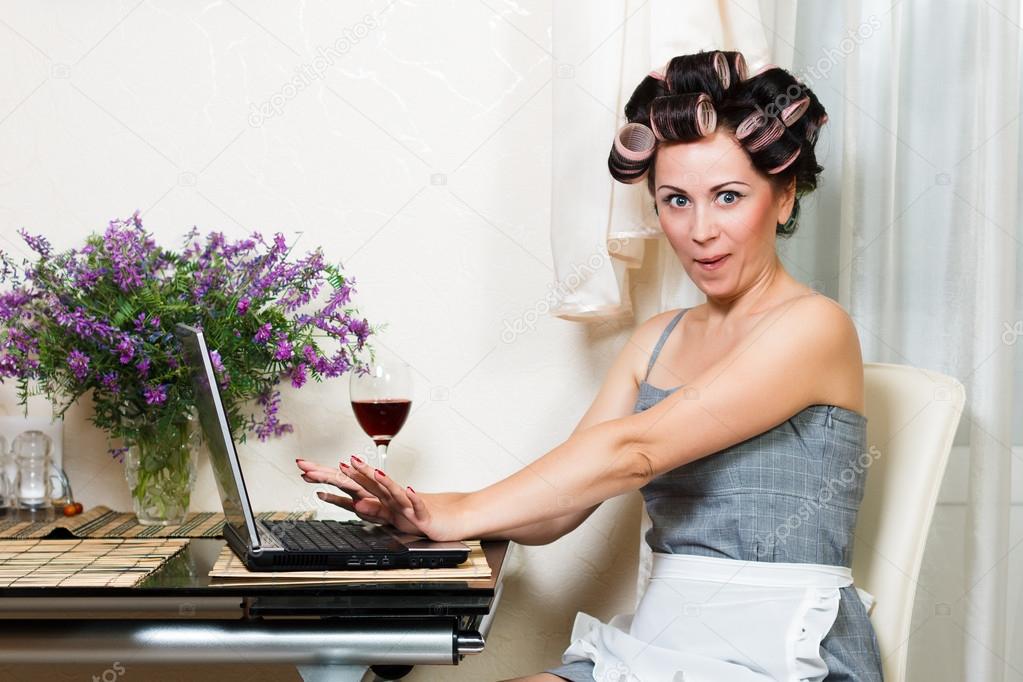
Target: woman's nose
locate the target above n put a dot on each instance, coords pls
(704, 227)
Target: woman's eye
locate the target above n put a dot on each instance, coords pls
(671, 200)
(735, 196)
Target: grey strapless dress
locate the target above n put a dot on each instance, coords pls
(750, 502)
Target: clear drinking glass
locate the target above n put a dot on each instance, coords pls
(33, 486)
(382, 399)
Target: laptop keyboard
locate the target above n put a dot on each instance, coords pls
(331, 536)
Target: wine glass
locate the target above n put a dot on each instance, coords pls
(381, 399)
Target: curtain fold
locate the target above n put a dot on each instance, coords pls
(987, 175)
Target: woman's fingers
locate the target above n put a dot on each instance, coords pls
(347, 503)
(338, 480)
(398, 498)
(364, 475)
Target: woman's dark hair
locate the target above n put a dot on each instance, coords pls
(774, 117)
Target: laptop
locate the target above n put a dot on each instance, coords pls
(294, 545)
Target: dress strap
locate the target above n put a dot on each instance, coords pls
(660, 341)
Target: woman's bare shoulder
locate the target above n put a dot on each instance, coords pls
(821, 321)
(647, 333)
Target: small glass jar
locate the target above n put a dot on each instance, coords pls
(32, 483)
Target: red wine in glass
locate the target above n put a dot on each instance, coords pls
(381, 400)
(382, 419)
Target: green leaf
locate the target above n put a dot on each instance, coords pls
(124, 313)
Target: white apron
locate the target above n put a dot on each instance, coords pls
(709, 619)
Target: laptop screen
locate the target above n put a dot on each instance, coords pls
(226, 468)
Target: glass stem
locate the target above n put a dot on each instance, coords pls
(382, 454)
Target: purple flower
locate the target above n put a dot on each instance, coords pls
(156, 395)
(271, 425)
(12, 302)
(37, 243)
(130, 252)
(309, 353)
(243, 306)
(360, 328)
(109, 382)
(218, 367)
(118, 453)
(143, 367)
(298, 375)
(283, 351)
(263, 334)
(79, 364)
(127, 350)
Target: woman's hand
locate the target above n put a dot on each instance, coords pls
(375, 497)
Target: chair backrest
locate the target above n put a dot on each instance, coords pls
(912, 416)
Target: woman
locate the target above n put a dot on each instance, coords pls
(746, 471)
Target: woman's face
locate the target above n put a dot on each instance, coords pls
(711, 201)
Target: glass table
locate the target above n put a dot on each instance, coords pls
(341, 632)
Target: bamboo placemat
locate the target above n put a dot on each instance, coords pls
(229, 570)
(82, 563)
(103, 522)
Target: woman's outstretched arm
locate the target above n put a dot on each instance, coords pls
(791, 360)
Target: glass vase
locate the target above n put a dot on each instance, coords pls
(160, 467)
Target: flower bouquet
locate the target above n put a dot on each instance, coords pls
(100, 319)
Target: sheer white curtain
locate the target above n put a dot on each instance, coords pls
(916, 233)
(914, 229)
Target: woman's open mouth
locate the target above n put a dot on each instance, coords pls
(712, 263)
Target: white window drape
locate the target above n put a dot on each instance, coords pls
(914, 229)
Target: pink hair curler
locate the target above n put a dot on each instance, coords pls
(740, 66)
(765, 67)
(706, 115)
(721, 66)
(766, 135)
(822, 121)
(749, 124)
(785, 164)
(635, 142)
(792, 112)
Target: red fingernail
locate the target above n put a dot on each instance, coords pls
(380, 472)
(356, 458)
(344, 466)
(410, 489)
